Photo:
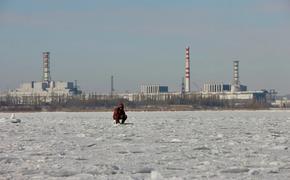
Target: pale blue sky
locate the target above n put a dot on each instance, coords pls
(143, 42)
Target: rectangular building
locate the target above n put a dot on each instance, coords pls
(153, 89)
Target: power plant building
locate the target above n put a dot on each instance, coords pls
(46, 87)
(216, 87)
(220, 87)
(234, 91)
(153, 89)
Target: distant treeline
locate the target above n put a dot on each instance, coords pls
(107, 103)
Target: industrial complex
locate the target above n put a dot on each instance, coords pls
(47, 89)
(234, 91)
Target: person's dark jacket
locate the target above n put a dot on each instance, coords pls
(119, 114)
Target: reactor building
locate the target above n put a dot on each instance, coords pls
(47, 87)
(236, 86)
(233, 91)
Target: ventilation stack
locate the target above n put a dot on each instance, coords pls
(187, 70)
(236, 77)
(46, 67)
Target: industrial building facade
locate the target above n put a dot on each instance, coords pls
(46, 88)
(234, 91)
(151, 89)
(216, 87)
(220, 87)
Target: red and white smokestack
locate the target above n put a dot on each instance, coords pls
(187, 70)
(46, 68)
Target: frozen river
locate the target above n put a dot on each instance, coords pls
(152, 145)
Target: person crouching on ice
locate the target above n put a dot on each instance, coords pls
(119, 114)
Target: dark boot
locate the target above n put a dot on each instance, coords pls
(124, 119)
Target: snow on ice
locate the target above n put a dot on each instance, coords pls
(152, 145)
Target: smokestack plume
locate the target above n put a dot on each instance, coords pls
(187, 70)
(236, 77)
(46, 67)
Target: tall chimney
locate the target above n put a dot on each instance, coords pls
(236, 77)
(46, 67)
(187, 70)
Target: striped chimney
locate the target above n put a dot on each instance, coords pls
(187, 70)
(236, 77)
(46, 67)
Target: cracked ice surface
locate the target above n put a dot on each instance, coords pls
(152, 145)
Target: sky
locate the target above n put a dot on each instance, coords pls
(143, 42)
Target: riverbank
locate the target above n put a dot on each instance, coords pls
(11, 109)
